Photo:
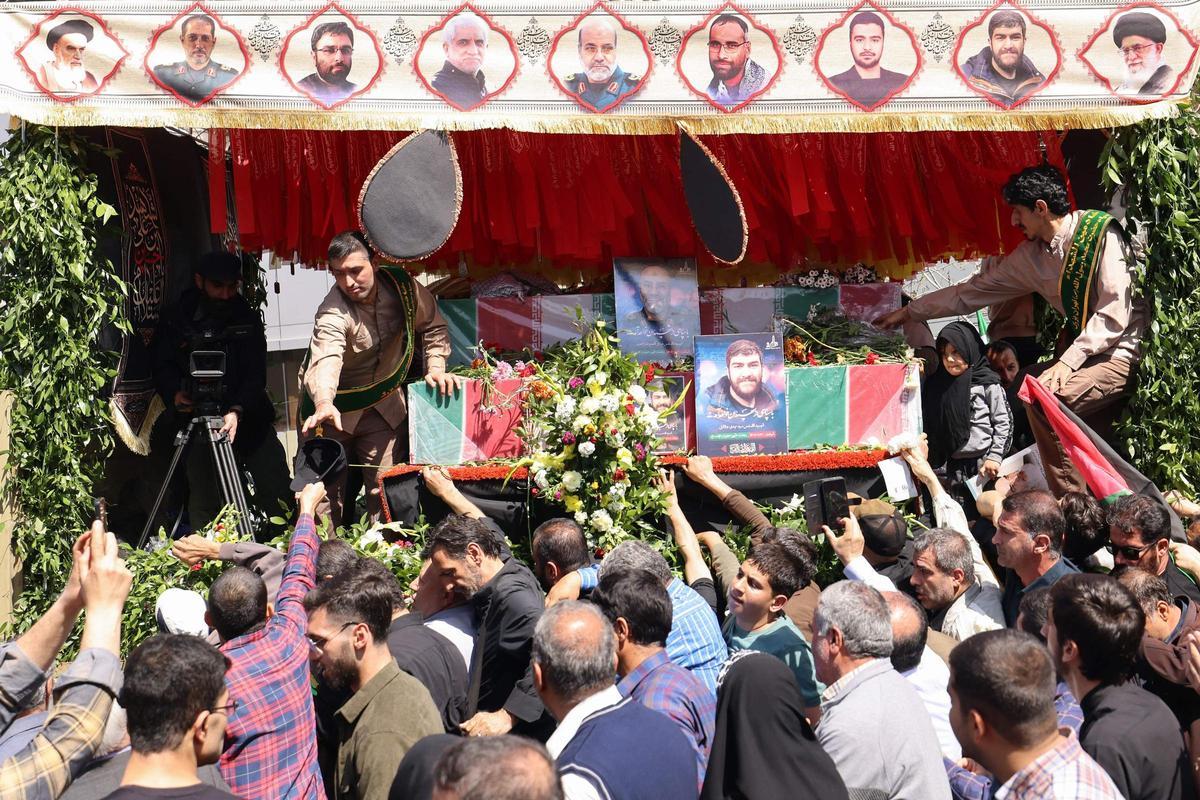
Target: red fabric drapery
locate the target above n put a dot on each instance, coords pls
(567, 204)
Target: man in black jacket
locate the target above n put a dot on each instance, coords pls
(213, 316)
(467, 555)
(1093, 631)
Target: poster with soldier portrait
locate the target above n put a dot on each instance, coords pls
(1141, 52)
(600, 60)
(196, 56)
(331, 58)
(740, 395)
(729, 59)
(868, 57)
(672, 395)
(1007, 55)
(658, 307)
(467, 59)
(71, 54)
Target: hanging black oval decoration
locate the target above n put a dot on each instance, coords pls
(410, 202)
(713, 201)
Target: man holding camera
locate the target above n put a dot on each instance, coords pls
(213, 317)
(374, 327)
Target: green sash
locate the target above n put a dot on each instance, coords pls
(360, 398)
(1079, 267)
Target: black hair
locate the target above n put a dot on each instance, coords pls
(800, 546)
(355, 595)
(561, 540)
(376, 569)
(1005, 19)
(334, 28)
(1087, 524)
(1045, 183)
(726, 18)
(333, 556)
(1147, 588)
(1138, 512)
(1004, 346)
(169, 679)
(1034, 610)
(1008, 678)
(347, 243)
(1039, 515)
(781, 566)
(1104, 621)
(640, 598)
(498, 768)
(454, 533)
(866, 18)
(237, 602)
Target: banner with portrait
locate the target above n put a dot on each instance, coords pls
(741, 393)
(632, 67)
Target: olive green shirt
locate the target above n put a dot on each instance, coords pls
(375, 729)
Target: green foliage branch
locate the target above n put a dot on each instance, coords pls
(56, 295)
(1157, 164)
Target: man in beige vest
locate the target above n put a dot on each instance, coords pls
(365, 336)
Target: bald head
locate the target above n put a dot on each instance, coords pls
(910, 629)
(598, 29)
(496, 768)
(574, 652)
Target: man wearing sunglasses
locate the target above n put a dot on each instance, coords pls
(1139, 535)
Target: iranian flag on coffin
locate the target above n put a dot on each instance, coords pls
(753, 310)
(476, 423)
(556, 317)
(860, 405)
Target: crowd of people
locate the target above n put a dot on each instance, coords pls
(934, 669)
(1029, 644)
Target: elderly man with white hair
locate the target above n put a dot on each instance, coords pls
(461, 79)
(1141, 37)
(873, 725)
(65, 73)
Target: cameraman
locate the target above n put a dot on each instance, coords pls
(214, 316)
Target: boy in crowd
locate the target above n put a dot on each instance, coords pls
(772, 573)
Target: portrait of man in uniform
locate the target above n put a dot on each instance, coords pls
(461, 79)
(333, 57)
(600, 83)
(742, 391)
(198, 76)
(1001, 69)
(736, 76)
(1141, 37)
(867, 83)
(64, 73)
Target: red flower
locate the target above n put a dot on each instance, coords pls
(477, 363)
(872, 358)
(196, 566)
(527, 371)
(649, 375)
(629, 409)
(618, 474)
(599, 552)
(812, 360)
(535, 491)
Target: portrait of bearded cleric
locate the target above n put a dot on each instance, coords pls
(71, 54)
(1141, 54)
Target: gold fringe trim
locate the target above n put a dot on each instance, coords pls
(137, 441)
(47, 113)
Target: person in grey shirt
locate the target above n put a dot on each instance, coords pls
(873, 725)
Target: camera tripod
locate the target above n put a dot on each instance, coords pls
(206, 428)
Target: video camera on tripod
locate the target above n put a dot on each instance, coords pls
(205, 385)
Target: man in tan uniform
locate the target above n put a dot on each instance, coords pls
(1080, 262)
(365, 335)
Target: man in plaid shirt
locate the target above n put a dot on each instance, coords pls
(640, 610)
(270, 743)
(1002, 711)
(99, 583)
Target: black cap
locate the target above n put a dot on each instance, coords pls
(219, 266)
(70, 26)
(319, 459)
(1140, 23)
